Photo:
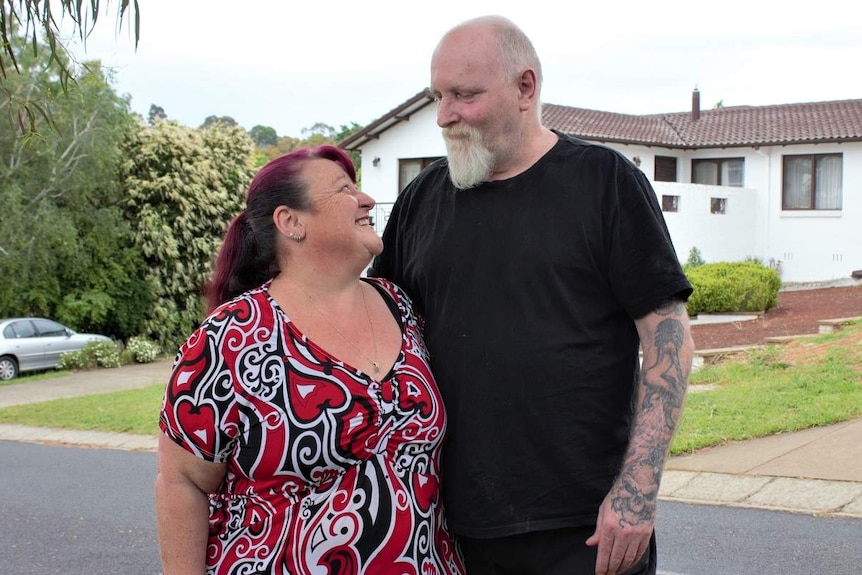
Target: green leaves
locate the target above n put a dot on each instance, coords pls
(65, 251)
(38, 20)
(182, 188)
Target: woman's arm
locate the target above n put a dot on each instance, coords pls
(182, 507)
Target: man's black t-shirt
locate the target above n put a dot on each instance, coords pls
(528, 288)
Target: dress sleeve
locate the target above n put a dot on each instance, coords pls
(199, 411)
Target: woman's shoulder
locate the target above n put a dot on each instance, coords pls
(241, 308)
(242, 313)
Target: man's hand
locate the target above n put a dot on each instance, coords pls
(623, 530)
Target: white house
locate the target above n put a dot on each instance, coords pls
(781, 184)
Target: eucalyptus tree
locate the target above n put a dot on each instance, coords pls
(38, 22)
(65, 250)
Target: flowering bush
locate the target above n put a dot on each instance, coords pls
(75, 360)
(107, 353)
(94, 354)
(142, 349)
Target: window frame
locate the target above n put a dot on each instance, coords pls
(670, 203)
(423, 163)
(719, 169)
(661, 166)
(812, 186)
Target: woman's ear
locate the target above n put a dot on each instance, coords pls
(288, 223)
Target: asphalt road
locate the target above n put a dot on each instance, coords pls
(82, 511)
(76, 511)
(710, 540)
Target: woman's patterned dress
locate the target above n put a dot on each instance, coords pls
(329, 471)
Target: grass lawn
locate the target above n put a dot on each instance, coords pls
(132, 411)
(778, 388)
(34, 376)
(774, 389)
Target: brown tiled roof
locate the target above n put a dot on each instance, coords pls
(814, 122)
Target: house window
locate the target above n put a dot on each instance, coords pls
(665, 169)
(717, 205)
(670, 203)
(410, 168)
(719, 172)
(812, 182)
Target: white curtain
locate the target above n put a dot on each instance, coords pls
(828, 184)
(706, 173)
(407, 170)
(797, 182)
(733, 173)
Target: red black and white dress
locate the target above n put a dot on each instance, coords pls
(329, 470)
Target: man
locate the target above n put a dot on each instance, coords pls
(540, 263)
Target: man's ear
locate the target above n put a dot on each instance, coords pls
(289, 223)
(527, 86)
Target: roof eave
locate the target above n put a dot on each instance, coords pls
(395, 116)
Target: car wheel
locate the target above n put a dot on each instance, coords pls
(8, 368)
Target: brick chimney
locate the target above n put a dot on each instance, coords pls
(695, 104)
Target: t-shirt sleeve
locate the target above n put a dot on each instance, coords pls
(645, 270)
(199, 411)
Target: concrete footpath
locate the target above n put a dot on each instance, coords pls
(815, 471)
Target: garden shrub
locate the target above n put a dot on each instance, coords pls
(142, 349)
(727, 287)
(75, 360)
(94, 354)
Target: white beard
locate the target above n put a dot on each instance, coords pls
(470, 161)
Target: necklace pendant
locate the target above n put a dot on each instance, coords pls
(376, 367)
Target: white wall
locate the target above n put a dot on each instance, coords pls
(718, 237)
(418, 137)
(812, 246)
(816, 245)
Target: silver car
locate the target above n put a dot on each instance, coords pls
(33, 343)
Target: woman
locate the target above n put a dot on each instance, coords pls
(301, 424)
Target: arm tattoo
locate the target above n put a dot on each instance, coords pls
(661, 391)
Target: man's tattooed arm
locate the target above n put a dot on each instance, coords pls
(626, 517)
(667, 349)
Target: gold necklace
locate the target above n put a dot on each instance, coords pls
(373, 363)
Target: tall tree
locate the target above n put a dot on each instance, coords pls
(183, 186)
(323, 132)
(38, 20)
(156, 114)
(60, 196)
(344, 131)
(263, 135)
(224, 120)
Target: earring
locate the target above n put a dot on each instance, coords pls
(296, 237)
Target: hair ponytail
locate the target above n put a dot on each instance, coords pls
(236, 268)
(249, 253)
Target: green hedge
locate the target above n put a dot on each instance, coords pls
(727, 287)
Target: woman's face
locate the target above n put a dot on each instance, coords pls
(338, 222)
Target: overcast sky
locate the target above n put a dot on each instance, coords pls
(289, 65)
